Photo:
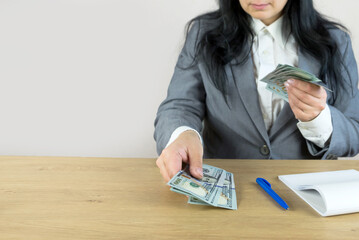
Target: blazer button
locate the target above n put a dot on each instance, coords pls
(264, 150)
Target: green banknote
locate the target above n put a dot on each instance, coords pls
(194, 200)
(216, 188)
(275, 80)
(225, 197)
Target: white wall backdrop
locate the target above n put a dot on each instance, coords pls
(85, 77)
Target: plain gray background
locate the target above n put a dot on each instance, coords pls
(85, 77)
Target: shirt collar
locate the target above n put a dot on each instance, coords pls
(275, 29)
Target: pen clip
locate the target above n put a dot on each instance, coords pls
(264, 181)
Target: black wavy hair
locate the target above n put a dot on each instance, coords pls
(229, 32)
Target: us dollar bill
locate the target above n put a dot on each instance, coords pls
(194, 200)
(227, 195)
(208, 190)
(203, 189)
(275, 80)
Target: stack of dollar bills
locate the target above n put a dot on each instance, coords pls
(275, 80)
(216, 188)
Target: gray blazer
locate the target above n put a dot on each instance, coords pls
(236, 129)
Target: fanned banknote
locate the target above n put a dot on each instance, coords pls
(227, 195)
(275, 80)
(216, 188)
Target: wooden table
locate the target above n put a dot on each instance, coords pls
(109, 198)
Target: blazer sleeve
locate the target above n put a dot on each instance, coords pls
(185, 101)
(344, 141)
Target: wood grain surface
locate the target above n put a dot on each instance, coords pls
(114, 198)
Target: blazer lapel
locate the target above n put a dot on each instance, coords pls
(284, 116)
(309, 64)
(243, 76)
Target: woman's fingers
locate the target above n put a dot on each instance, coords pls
(187, 148)
(305, 99)
(163, 170)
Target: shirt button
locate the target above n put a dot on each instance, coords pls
(264, 150)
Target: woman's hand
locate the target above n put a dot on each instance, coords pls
(305, 99)
(186, 148)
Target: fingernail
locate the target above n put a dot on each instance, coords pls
(286, 84)
(199, 171)
(290, 81)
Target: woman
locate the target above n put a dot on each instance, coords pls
(215, 89)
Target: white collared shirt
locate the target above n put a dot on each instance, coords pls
(270, 48)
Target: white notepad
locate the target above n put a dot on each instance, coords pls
(329, 193)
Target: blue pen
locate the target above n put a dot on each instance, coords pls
(267, 187)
